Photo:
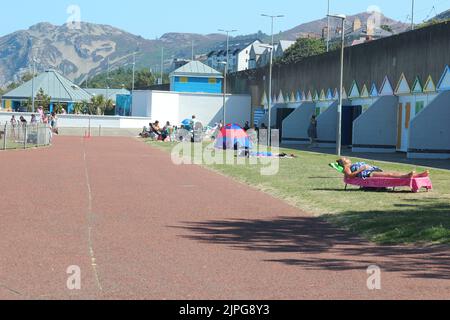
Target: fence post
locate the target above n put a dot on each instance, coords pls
(25, 136)
(5, 136)
(37, 134)
(100, 130)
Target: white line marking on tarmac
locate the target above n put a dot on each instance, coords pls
(90, 217)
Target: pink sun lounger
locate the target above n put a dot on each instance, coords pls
(415, 184)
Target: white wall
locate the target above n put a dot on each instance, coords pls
(141, 103)
(208, 108)
(82, 121)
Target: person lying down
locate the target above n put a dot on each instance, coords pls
(364, 171)
(246, 153)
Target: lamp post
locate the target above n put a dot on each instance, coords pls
(328, 27)
(272, 48)
(412, 14)
(341, 86)
(32, 86)
(226, 73)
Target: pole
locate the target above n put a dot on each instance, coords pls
(225, 82)
(132, 85)
(412, 14)
(192, 50)
(328, 27)
(339, 112)
(162, 65)
(107, 84)
(5, 135)
(270, 87)
(32, 85)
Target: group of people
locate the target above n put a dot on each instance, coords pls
(168, 132)
(46, 119)
(155, 132)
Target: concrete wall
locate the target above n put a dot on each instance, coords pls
(81, 121)
(274, 111)
(327, 126)
(376, 129)
(430, 130)
(422, 52)
(208, 108)
(141, 102)
(295, 127)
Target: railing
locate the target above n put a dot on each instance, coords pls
(23, 136)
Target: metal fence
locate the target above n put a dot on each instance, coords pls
(23, 136)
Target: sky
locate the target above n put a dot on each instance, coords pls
(151, 19)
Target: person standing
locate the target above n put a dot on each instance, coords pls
(312, 131)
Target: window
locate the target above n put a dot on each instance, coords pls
(419, 106)
(212, 81)
(184, 80)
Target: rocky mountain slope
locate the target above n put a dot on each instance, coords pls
(84, 52)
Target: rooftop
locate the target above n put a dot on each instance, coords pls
(196, 68)
(59, 88)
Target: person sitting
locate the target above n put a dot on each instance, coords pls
(166, 132)
(155, 131)
(365, 171)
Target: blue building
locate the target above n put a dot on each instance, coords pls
(196, 77)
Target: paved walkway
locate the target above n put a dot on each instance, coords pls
(140, 227)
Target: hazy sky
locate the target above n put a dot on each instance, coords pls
(151, 19)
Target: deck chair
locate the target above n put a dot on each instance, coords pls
(415, 184)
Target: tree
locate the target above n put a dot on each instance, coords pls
(99, 105)
(303, 48)
(122, 78)
(41, 100)
(80, 107)
(387, 28)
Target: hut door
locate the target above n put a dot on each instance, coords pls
(399, 126)
(404, 121)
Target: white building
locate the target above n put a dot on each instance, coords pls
(238, 52)
(281, 48)
(256, 53)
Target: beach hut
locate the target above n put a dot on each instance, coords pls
(429, 134)
(375, 129)
(405, 112)
(295, 126)
(282, 108)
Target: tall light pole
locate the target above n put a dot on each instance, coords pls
(412, 14)
(226, 74)
(162, 65)
(32, 86)
(341, 86)
(272, 17)
(328, 27)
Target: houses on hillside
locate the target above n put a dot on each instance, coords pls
(245, 55)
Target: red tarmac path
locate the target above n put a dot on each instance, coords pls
(140, 227)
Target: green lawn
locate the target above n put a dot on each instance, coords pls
(382, 217)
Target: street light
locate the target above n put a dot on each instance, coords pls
(32, 85)
(341, 85)
(328, 27)
(272, 48)
(226, 72)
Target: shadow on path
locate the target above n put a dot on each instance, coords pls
(316, 244)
